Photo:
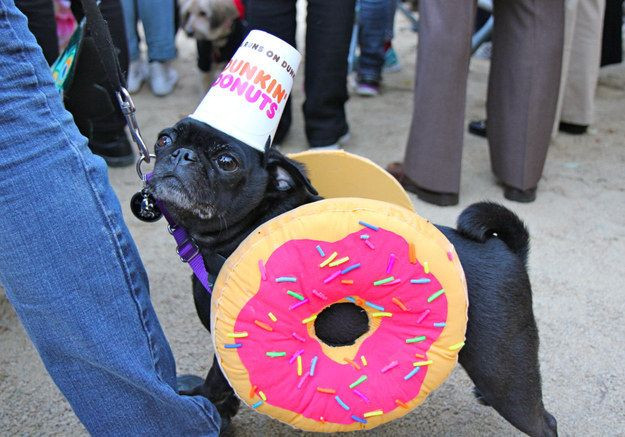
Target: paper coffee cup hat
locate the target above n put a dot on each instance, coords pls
(247, 99)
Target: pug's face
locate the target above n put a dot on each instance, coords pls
(208, 19)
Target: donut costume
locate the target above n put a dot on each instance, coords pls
(280, 297)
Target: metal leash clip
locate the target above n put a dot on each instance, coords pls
(128, 109)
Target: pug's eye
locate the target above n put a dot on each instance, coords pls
(164, 141)
(227, 163)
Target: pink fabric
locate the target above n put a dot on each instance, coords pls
(279, 380)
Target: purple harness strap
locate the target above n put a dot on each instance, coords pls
(185, 247)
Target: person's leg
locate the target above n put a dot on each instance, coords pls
(69, 266)
(578, 101)
(523, 88)
(434, 150)
(157, 17)
(130, 22)
(328, 33)
(41, 22)
(372, 31)
(612, 40)
(278, 18)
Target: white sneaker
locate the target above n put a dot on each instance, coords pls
(340, 143)
(137, 73)
(163, 78)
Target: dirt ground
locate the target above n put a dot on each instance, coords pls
(576, 265)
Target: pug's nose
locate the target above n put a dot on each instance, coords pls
(183, 157)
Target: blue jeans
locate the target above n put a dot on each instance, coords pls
(157, 17)
(375, 29)
(69, 266)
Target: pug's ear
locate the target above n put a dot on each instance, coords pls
(286, 174)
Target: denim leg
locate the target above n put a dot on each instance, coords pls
(130, 20)
(157, 17)
(69, 266)
(389, 28)
(373, 20)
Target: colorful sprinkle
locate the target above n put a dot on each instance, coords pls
(332, 277)
(313, 365)
(299, 365)
(426, 267)
(422, 363)
(298, 304)
(347, 281)
(320, 295)
(399, 303)
(263, 272)
(374, 306)
(395, 282)
(309, 319)
(320, 250)
(369, 244)
(328, 260)
(321, 419)
(295, 295)
(358, 419)
(350, 268)
(233, 345)
(384, 281)
(456, 346)
(362, 396)
(440, 324)
(275, 354)
(253, 391)
(412, 373)
(435, 295)
(257, 404)
(363, 360)
(402, 404)
(262, 395)
(391, 262)
(350, 298)
(373, 413)
(338, 262)
(422, 316)
(415, 339)
(263, 325)
(382, 314)
(389, 366)
(286, 279)
(241, 334)
(302, 380)
(420, 281)
(418, 355)
(341, 403)
(295, 355)
(298, 337)
(364, 236)
(272, 317)
(354, 364)
(450, 255)
(412, 253)
(375, 228)
(359, 381)
(329, 391)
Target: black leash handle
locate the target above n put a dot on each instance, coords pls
(99, 31)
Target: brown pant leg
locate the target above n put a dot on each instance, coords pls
(523, 87)
(434, 150)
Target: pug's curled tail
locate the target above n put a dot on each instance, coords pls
(483, 220)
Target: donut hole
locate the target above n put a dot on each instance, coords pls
(341, 324)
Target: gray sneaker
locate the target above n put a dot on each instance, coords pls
(163, 78)
(137, 74)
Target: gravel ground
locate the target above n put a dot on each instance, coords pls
(576, 267)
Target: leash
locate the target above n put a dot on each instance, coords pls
(143, 205)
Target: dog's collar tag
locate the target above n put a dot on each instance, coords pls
(143, 206)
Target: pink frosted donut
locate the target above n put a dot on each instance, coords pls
(399, 276)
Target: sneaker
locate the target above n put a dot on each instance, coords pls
(485, 51)
(340, 143)
(163, 78)
(391, 61)
(367, 88)
(137, 73)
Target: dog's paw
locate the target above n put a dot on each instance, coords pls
(479, 397)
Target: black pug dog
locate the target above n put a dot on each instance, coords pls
(220, 190)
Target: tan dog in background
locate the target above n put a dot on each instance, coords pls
(209, 20)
